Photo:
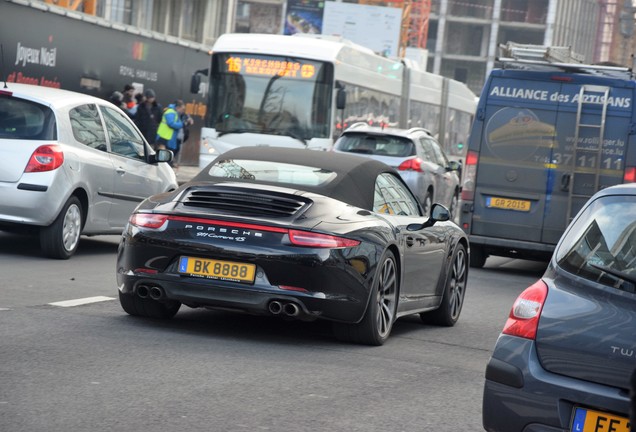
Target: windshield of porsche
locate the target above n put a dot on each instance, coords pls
(271, 95)
(601, 246)
(274, 172)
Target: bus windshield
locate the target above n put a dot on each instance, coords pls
(272, 95)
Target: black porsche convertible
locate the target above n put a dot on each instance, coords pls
(299, 234)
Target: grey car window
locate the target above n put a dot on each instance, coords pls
(601, 245)
(124, 139)
(87, 126)
(381, 145)
(439, 154)
(392, 197)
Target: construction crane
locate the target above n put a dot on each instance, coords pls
(415, 18)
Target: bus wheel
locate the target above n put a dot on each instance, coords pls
(477, 256)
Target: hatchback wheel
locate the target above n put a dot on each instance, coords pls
(453, 299)
(375, 327)
(61, 238)
(427, 204)
(453, 205)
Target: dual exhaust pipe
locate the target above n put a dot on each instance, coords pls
(154, 292)
(290, 309)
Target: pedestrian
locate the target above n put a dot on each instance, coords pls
(167, 132)
(182, 136)
(129, 96)
(148, 116)
(117, 99)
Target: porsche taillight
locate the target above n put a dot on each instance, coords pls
(311, 239)
(45, 158)
(414, 164)
(523, 320)
(148, 220)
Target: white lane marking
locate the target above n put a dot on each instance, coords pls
(83, 301)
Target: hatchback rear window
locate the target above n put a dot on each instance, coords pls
(21, 119)
(380, 145)
(601, 245)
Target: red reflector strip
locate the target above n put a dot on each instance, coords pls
(6, 93)
(146, 270)
(292, 288)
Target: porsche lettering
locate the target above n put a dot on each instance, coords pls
(211, 229)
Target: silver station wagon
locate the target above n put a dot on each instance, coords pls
(72, 164)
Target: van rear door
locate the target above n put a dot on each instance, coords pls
(532, 179)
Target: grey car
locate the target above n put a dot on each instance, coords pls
(72, 164)
(415, 154)
(564, 358)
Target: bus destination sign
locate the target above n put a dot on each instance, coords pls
(269, 67)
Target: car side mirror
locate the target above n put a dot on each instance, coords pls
(195, 83)
(341, 98)
(439, 213)
(163, 155)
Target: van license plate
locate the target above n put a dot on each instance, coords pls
(507, 204)
(585, 420)
(216, 269)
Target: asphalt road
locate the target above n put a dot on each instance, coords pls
(91, 367)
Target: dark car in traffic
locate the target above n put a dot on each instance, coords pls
(566, 353)
(298, 234)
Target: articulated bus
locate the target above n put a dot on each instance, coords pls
(302, 91)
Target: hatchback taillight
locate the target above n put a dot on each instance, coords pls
(45, 158)
(523, 320)
(414, 164)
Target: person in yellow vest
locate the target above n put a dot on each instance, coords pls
(169, 127)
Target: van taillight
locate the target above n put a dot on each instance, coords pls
(470, 174)
(45, 158)
(414, 164)
(523, 320)
(630, 175)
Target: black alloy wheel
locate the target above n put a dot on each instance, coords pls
(454, 292)
(376, 325)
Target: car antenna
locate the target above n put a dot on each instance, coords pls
(3, 76)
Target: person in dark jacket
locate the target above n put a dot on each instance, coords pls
(148, 116)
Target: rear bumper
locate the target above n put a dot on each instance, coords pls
(519, 395)
(512, 248)
(36, 199)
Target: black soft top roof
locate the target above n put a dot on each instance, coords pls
(355, 175)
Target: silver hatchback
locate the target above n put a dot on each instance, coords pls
(415, 154)
(72, 164)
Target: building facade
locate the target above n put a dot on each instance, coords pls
(463, 35)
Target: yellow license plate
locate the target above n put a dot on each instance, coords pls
(216, 269)
(586, 420)
(508, 204)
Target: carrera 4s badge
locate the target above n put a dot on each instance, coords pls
(234, 234)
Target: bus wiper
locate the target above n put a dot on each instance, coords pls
(629, 282)
(235, 130)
